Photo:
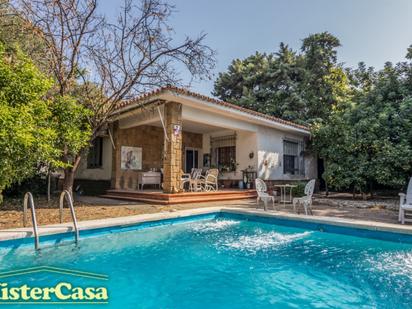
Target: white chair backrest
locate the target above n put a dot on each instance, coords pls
(260, 186)
(197, 173)
(310, 187)
(194, 172)
(409, 192)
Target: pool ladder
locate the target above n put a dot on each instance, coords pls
(65, 195)
(28, 199)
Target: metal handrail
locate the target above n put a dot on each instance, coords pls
(65, 195)
(28, 199)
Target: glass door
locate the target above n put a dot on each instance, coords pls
(191, 159)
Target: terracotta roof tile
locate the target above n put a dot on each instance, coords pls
(183, 91)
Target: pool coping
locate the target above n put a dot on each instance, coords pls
(27, 232)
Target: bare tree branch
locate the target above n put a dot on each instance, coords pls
(138, 53)
(112, 61)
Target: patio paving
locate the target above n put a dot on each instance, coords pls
(89, 208)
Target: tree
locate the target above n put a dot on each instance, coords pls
(361, 119)
(243, 80)
(325, 84)
(109, 62)
(299, 87)
(13, 31)
(368, 141)
(26, 136)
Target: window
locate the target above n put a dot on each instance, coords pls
(226, 158)
(293, 158)
(95, 155)
(223, 152)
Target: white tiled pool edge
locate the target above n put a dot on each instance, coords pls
(17, 233)
(345, 222)
(25, 232)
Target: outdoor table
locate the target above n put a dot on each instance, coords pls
(284, 197)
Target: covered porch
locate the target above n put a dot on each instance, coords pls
(167, 139)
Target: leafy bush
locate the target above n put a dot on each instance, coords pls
(299, 191)
(26, 135)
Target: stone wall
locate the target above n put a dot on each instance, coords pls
(150, 139)
(193, 140)
(391, 204)
(172, 165)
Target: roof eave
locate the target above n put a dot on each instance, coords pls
(171, 94)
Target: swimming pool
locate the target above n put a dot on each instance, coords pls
(226, 260)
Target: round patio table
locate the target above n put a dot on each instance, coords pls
(284, 197)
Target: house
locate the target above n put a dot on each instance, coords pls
(176, 130)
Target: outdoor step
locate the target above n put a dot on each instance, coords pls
(181, 196)
(181, 199)
(161, 195)
(192, 196)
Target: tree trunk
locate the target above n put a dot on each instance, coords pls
(371, 189)
(68, 180)
(48, 185)
(69, 173)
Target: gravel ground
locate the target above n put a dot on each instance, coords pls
(88, 208)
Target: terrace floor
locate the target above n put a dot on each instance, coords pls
(160, 198)
(89, 208)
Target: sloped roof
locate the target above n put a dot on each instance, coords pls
(147, 96)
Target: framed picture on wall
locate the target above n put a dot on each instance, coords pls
(131, 158)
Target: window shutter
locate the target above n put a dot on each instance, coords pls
(293, 157)
(301, 158)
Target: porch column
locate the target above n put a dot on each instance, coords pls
(172, 161)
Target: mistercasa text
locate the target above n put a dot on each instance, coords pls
(62, 291)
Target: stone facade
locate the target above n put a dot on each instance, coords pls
(150, 139)
(193, 140)
(172, 164)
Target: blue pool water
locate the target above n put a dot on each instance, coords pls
(228, 262)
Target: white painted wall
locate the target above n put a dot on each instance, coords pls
(245, 144)
(103, 173)
(270, 156)
(216, 119)
(267, 145)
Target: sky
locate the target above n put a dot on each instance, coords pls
(373, 31)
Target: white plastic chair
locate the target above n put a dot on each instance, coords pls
(263, 196)
(194, 182)
(405, 203)
(185, 178)
(305, 201)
